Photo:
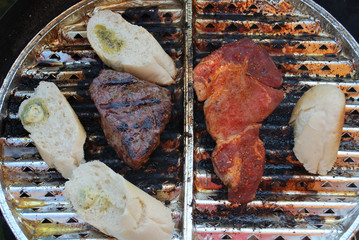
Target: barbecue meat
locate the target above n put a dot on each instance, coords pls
(238, 82)
(239, 163)
(238, 101)
(133, 114)
(244, 53)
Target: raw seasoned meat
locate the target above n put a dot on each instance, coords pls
(238, 82)
(239, 101)
(133, 114)
(239, 162)
(243, 53)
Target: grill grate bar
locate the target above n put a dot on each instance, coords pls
(276, 47)
(285, 204)
(217, 233)
(250, 7)
(258, 28)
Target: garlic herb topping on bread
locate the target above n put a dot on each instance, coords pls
(129, 48)
(115, 206)
(318, 119)
(54, 127)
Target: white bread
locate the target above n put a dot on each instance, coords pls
(318, 119)
(116, 207)
(54, 127)
(137, 51)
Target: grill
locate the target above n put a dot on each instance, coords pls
(308, 46)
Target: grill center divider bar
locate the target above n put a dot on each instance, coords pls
(188, 131)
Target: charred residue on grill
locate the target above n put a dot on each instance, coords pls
(243, 216)
(150, 16)
(142, 14)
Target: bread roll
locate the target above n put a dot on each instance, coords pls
(318, 120)
(130, 48)
(54, 128)
(116, 207)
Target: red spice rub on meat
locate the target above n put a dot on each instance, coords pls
(238, 82)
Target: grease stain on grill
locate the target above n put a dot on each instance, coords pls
(240, 216)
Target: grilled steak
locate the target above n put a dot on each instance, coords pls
(238, 82)
(133, 114)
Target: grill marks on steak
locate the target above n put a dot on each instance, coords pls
(133, 114)
(238, 82)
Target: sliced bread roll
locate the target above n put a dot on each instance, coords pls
(318, 119)
(116, 207)
(129, 48)
(54, 127)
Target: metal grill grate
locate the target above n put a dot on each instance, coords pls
(308, 47)
(290, 203)
(35, 191)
